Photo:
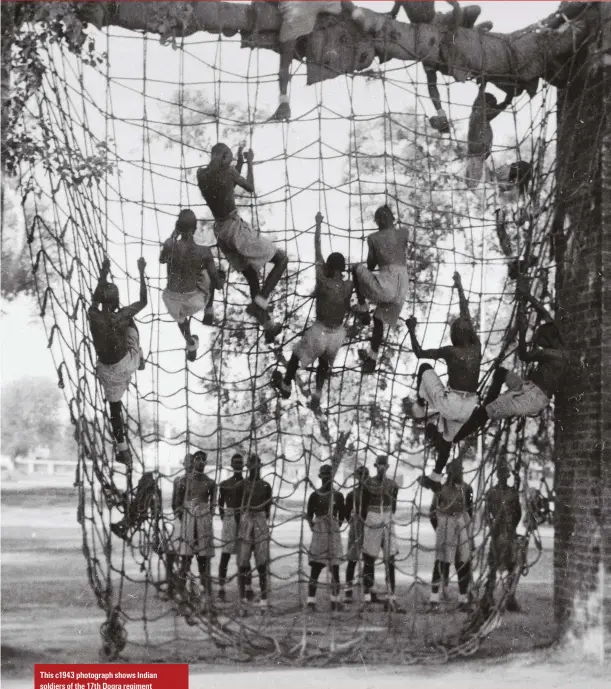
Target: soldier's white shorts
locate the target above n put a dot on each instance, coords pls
(299, 18)
(229, 535)
(454, 406)
(197, 537)
(115, 378)
(388, 289)
(240, 245)
(183, 305)
(253, 535)
(319, 341)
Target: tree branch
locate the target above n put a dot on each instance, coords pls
(536, 51)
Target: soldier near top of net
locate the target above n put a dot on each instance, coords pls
(526, 398)
(117, 345)
(423, 12)
(298, 22)
(455, 403)
(192, 278)
(253, 534)
(379, 507)
(485, 108)
(322, 341)
(388, 287)
(325, 514)
(245, 251)
(451, 515)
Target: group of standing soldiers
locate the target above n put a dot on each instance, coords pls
(244, 505)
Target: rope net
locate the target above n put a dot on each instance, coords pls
(151, 114)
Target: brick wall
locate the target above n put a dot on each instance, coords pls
(583, 417)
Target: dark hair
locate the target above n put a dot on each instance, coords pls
(462, 332)
(550, 332)
(186, 222)
(107, 294)
(220, 150)
(336, 263)
(520, 173)
(325, 469)
(384, 217)
(201, 455)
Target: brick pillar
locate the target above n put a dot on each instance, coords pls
(582, 548)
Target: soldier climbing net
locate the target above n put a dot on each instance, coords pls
(126, 135)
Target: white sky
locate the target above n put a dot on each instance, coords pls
(163, 187)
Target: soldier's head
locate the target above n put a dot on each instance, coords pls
(186, 223)
(384, 218)
(237, 463)
(325, 473)
(381, 464)
(462, 333)
(199, 461)
(547, 337)
(335, 265)
(455, 473)
(361, 474)
(221, 155)
(254, 463)
(108, 296)
(502, 473)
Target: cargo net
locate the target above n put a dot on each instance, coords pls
(123, 133)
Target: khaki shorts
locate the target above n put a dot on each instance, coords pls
(229, 535)
(528, 400)
(319, 341)
(253, 535)
(379, 534)
(197, 537)
(114, 378)
(326, 546)
(241, 246)
(452, 535)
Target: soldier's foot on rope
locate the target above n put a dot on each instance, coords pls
(441, 124)
(283, 388)
(192, 348)
(315, 401)
(124, 457)
(271, 332)
(282, 114)
(120, 529)
(208, 318)
(369, 364)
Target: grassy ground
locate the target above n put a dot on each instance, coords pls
(49, 613)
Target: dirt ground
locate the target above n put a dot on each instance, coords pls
(49, 613)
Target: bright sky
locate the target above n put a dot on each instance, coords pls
(151, 199)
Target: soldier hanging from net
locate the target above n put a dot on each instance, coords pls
(197, 537)
(451, 515)
(192, 278)
(379, 506)
(253, 534)
(456, 402)
(530, 397)
(423, 12)
(246, 252)
(298, 22)
(388, 288)
(325, 514)
(323, 340)
(485, 108)
(503, 513)
(117, 345)
(356, 518)
(230, 502)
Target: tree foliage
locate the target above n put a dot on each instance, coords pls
(31, 416)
